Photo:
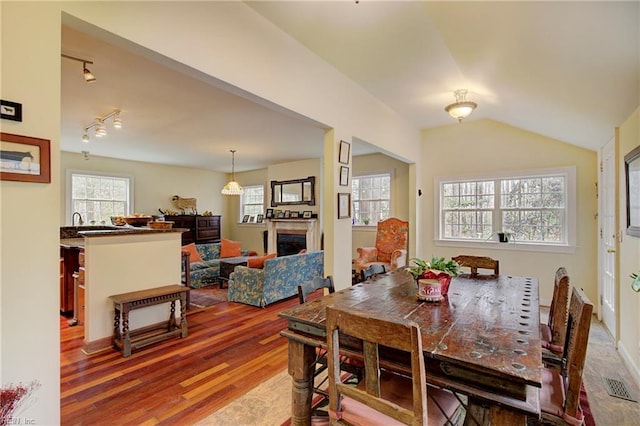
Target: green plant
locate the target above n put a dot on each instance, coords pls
(419, 266)
(635, 285)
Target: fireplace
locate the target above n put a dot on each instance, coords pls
(305, 231)
(291, 243)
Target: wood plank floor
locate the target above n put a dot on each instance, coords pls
(231, 348)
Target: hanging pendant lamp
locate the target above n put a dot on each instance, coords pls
(233, 187)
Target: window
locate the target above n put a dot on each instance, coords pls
(97, 197)
(252, 202)
(535, 207)
(371, 198)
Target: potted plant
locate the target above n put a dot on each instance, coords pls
(434, 277)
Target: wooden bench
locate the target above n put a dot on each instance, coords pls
(126, 340)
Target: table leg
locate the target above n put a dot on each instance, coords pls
(126, 333)
(183, 314)
(484, 414)
(301, 358)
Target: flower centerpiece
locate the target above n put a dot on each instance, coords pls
(433, 277)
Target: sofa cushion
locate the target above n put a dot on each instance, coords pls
(209, 251)
(258, 262)
(230, 248)
(194, 254)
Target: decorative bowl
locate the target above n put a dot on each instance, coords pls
(160, 225)
(137, 220)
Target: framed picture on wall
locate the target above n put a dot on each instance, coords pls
(632, 177)
(344, 205)
(344, 176)
(345, 151)
(25, 159)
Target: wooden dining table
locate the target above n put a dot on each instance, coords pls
(482, 340)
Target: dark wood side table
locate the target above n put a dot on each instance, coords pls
(227, 266)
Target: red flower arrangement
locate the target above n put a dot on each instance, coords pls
(11, 399)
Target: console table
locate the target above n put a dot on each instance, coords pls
(126, 340)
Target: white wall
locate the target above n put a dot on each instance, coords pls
(489, 146)
(628, 257)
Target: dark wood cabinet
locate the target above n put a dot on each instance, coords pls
(69, 260)
(199, 229)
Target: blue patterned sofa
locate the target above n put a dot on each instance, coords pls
(207, 272)
(278, 279)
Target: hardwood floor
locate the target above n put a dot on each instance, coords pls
(231, 348)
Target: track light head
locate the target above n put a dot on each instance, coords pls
(88, 75)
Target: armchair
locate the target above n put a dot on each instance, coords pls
(391, 246)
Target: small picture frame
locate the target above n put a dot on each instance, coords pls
(345, 151)
(632, 187)
(245, 218)
(279, 214)
(269, 214)
(252, 219)
(25, 159)
(10, 110)
(344, 205)
(344, 176)
(306, 214)
(287, 214)
(260, 218)
(295, 214)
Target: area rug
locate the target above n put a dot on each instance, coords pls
(586, 410)
(204, 297)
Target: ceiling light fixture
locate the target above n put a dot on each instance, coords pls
(461, 108)
(98, 124)
(88, 75)
(233, 187)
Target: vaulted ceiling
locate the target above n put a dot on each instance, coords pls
(566, 70)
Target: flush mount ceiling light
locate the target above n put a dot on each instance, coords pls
(99, 126)
(88, 75)
(233, 187)
(461, 108)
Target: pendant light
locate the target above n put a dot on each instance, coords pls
(233, 187)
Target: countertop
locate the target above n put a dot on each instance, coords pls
(79, 242)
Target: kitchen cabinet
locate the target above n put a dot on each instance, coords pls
(69, 265)
(199, 229)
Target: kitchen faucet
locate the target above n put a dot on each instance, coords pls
(73, 219)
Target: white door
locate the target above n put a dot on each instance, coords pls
(608, 245)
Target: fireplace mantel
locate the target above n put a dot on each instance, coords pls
(311, 227)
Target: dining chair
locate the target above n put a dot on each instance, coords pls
(315, 284)
(383, 397)
(372, 271)
(553, 332)
(560, 393)
(478, 262)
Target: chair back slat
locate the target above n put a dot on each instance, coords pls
(478, 262)
(372, 271)
(558, 310)
(374, 331)
(316, 283)
(578, 326)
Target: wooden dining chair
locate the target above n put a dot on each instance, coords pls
(372, 271)
(383, 397)
(553, 332)
(314, 285)
(478, 262)
(560, 393)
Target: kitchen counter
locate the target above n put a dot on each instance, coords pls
(125, 231)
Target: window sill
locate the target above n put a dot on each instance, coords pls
(513, 246)
(364, 227)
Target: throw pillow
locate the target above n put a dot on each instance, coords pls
(194, 254)
(230, 248)
(258, 262)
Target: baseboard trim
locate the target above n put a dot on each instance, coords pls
(627, 360)
(97, 346)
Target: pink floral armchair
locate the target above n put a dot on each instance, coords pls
(390, 249)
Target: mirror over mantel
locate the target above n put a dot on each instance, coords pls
(293, 192)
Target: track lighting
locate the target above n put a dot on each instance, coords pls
(100, 130)
(88, 75)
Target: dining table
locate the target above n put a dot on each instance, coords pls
(481, 340)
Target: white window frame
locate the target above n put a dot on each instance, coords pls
(390, 173)
(241, 205)
(69, 191)
(570, 219)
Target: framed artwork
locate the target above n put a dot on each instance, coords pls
(344, 176)
(306, 214)
(632, 177)
(259, 218)
(25, 159)
(269, 213)
(279, 214)
(252, 219)
(344, 205)
(10, 110)
(287, 214)
(345, 150)
(245, 218)
(295, 214)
